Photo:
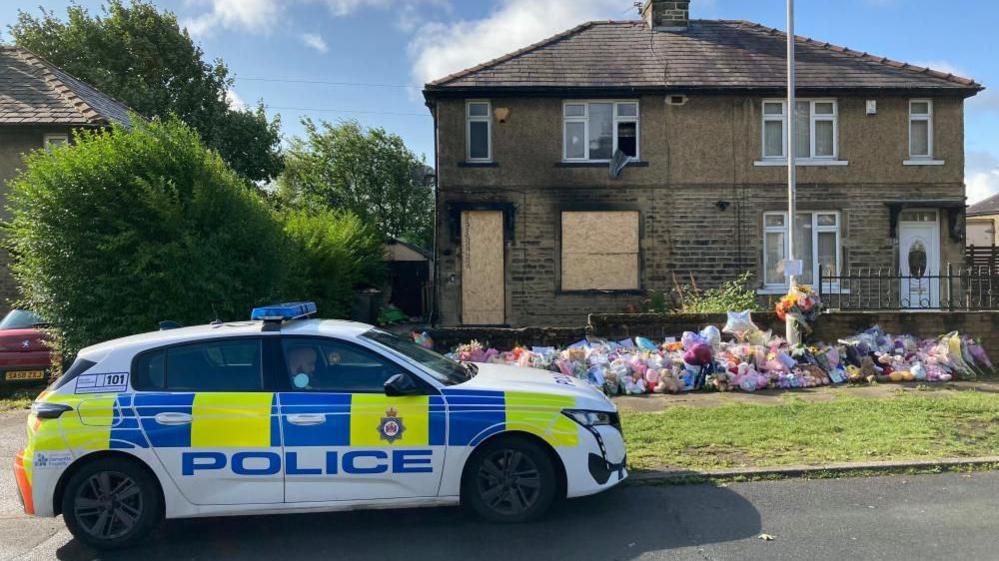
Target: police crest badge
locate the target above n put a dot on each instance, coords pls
(391, 427)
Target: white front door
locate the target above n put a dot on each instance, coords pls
(919, 259)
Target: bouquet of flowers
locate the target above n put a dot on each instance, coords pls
(802, 304)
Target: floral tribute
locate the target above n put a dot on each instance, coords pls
(802, 304)
(749, 361)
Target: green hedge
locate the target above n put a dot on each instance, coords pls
(335, 252)
(127, 228)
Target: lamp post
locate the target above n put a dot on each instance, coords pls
(791, 270)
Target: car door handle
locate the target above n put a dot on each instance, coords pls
(173, 419)
(307, 419)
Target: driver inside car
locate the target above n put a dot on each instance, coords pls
(302, 366)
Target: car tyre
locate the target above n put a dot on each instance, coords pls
(510, 480)
(111, 503)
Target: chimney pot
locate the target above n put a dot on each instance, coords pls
(667, 14)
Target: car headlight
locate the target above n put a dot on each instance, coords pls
(592, 418)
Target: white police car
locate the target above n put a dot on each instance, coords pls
(283, 414)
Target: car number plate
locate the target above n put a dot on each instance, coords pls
(26, 375)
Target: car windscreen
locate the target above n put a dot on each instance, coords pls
(446, 371)
(20, 319)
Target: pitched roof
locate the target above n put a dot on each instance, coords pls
(707, 55)
(33, 91)
(984, 208)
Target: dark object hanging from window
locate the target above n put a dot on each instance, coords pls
(627, 139)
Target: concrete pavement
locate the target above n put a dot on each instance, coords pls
(884, 518)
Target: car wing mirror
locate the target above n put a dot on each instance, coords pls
(401, 384)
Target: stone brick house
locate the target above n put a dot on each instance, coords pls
(983, 219)
(534, 228)
(41, 105)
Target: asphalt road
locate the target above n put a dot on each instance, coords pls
(932, 517)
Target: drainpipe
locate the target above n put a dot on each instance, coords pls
(435, 281)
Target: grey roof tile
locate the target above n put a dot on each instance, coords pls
(34, 91)
(708, 54)
(984, 208)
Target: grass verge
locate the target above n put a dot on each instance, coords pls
(702, 478)
(795, 432)
(16, 399)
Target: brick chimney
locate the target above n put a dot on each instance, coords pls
(667, 14)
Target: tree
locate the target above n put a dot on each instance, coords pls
(124, 229)
(143, 58)
(335, 253)
(369, 172)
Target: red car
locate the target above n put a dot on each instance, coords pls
(24, 357)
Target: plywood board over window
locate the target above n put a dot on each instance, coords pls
(600, 250)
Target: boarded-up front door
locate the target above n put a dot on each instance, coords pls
(482, 289)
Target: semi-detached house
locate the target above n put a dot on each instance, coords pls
(41, 105)
(535, 228)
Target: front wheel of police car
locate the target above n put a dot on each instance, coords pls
(511, 480)
(111, 503)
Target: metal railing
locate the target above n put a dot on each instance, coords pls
(986, 256)
(957, 288)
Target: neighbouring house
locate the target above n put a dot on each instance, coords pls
(41, 105)
(536, 225)
(982, 220)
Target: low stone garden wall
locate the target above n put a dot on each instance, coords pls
(831, 327)
(448, 338)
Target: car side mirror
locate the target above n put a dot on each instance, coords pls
(401, 384)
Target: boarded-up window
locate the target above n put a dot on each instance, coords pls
(600, 250)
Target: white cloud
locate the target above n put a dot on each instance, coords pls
(261, 15)
(235, 102)
(981, 176)
(440, 49)
(985, 101)
(347, 7)
(255, 15)
(315, 41)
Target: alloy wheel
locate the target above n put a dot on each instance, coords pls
(108, 505)
(509, 482)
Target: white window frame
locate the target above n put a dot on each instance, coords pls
(616, 120)
(469, 119)
(928, 118)
(813, 119)
(816, 229)
(55, 137)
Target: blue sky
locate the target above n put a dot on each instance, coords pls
(374, 53)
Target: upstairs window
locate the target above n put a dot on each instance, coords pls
(816, 129)
(478, 118)
(594, 130)
(921, 129)
(55, 139)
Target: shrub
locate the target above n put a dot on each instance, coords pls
(731, 296)
(130, 227)
(335, 253)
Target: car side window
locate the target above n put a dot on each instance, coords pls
(214, 366)
(327, 365)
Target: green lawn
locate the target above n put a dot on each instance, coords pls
(848, 429)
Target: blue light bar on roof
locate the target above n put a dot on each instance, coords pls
(283, 312)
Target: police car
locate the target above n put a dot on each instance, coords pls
(290, 414)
